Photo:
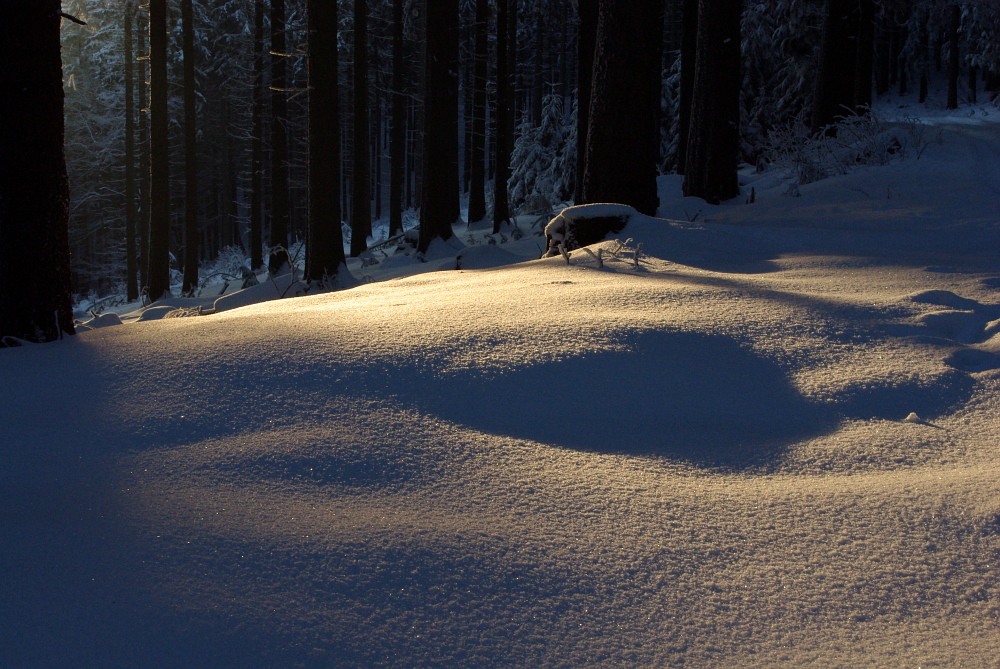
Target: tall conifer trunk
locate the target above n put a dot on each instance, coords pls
(325, 242)
(34, 189)
(142, 29)
(477, 182)
(361, 210)
(279, 139)
(439, 199)
(257, 142)
(586, 42)
(954, 24)
(190, 155)
(621, 156)
(689, 54)
(713, 140)
(131, 269)
(397, 139)
(836, 79)
(505, 120)
(159, 168)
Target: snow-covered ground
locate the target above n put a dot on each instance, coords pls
(774, 442)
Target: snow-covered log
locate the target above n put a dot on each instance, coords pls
(583, 225)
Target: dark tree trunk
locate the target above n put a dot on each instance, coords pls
(713, 143)
(361, 197)
(504, 116)
(586, 43)
(325, 241)
(190, 156)
(938, 47)
(257, 141)
(397, 140)
(837, 75)
(279, 140)
(903, 80)
(621, 156)
(34, 190)
(689, 54)
(159, 169)
(142, 29)
(956, 20)
(865, 62)
(477, 184)
(131, 271)
(439, 198)
(973, 74)
(537, 77)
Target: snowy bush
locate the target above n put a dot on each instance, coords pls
(542, 168)
(856, 141)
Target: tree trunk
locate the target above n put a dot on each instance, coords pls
(279, 140)
(34, 189)
(836, 79)
(689, 54)
(361, 197)
(713, 142)
(504, 118)
(159, 153)
(621, 156)
(325, 241)
(537, 77)
(397, 140)
(257, 141)
(142, 30)
(190, 156)
(586, 43)
(131, 271)
(956, 20)
(973, 74)
(865, 61)
(439, 199)
(477, 184)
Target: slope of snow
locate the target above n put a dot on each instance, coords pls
(706, 459)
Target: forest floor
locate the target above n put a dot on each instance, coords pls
(773, 441)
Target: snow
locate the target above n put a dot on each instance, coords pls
(772, 442)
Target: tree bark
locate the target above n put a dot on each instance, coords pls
(190, 155)
(397, 139)
(439, 199)
(477, 173)
(257, 142)
(586, 43)
(837, 78)
(713, 142)
(279, 140)
(956, 20)
(159, 171)
(131, 270)
(505, 117)
(621, 156)
(142, 30)
(361, 209)
(689, 54)
(325, 241)
(34, 189)
(865, 61)
(973, 75)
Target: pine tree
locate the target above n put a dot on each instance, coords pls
(506, 21)
(34, 189)
(397, 140)
(257, 141)
(586, 43)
